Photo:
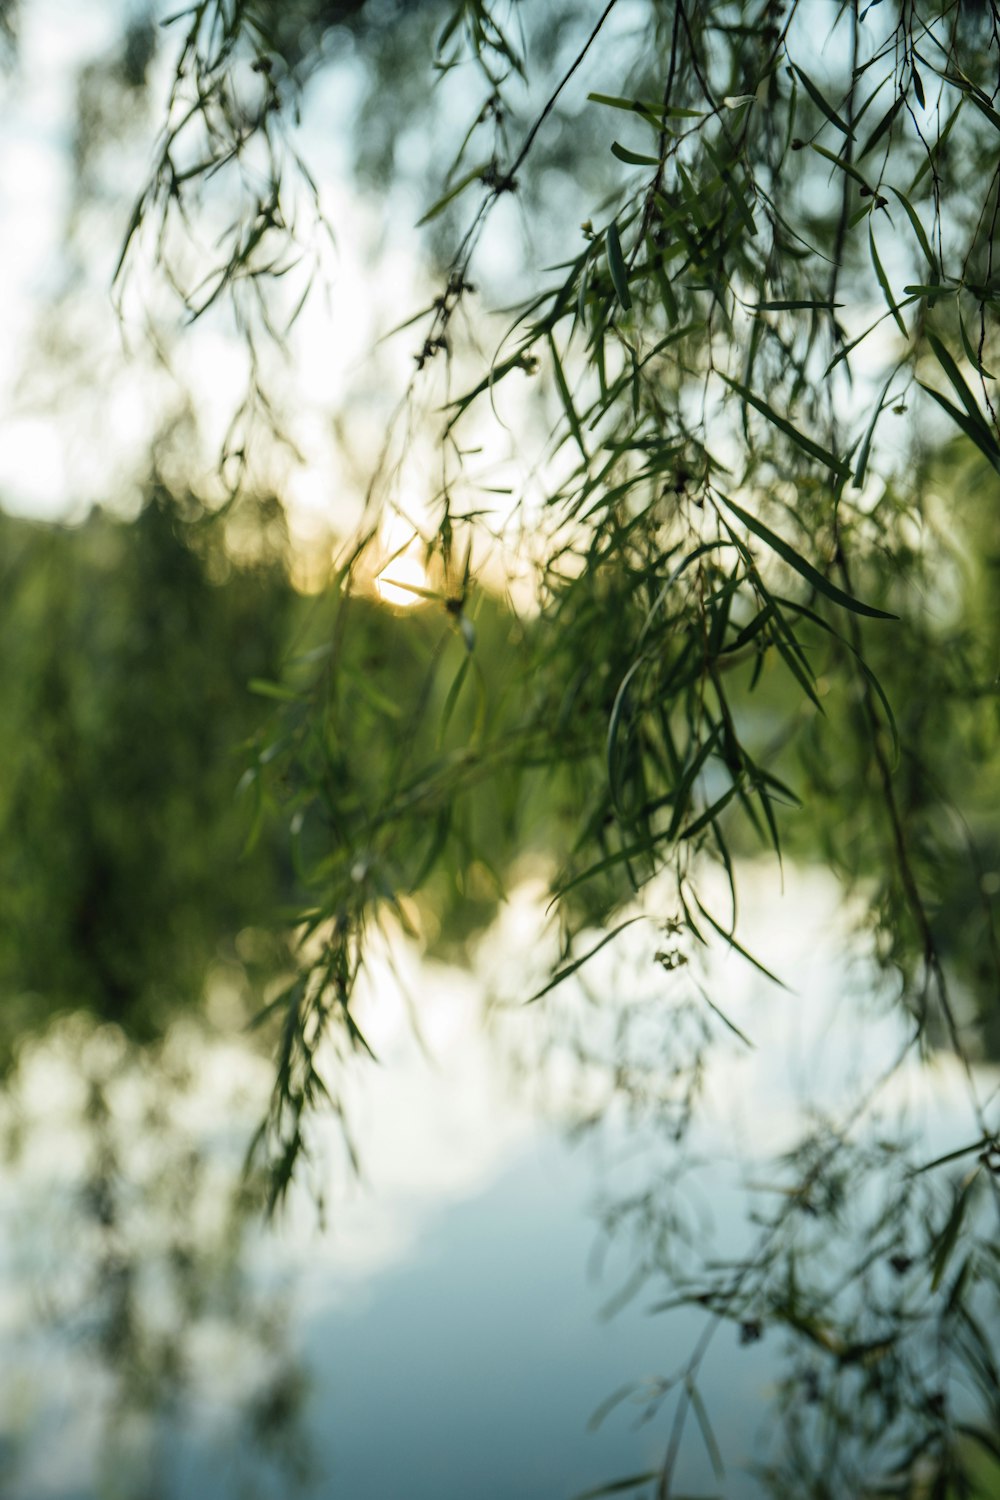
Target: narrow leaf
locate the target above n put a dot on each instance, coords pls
(795, 304)
(279, 690)
(633, 158)
(930, 289)
(711, 813)
(873, 681)
(865, 449)
(805, 569)
(578, 963)
(652, 109)
(838, 161)
(567, 399)
(971, 351)
(918, 228)
(616, 265)
(883, 282)
(821, 104)
(883, 125)
(738, 947)
(442, 203)
(985, 107)
(953, 373)
(975, 431)
(620, 1486)
(716, 1010)
(708, 1436)
(822, 455)
(694, 770)
(987, 1142)
(949, 1235)
(621, 698)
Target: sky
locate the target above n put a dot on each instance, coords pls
(83, 394)
(75, 431)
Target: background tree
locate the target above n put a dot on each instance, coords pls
(126, 659)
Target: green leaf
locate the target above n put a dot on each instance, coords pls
(796, 304)
(985, 1142)
(930, 289)
(862, 464)
(734, 190)
(682, 792)
(974, 431)
(948, 1238)
(135, 220)
(616, 265)
(578, 963)
(821, 104)
(279, 690)
(934, 150)
(918, 228)
(883, 125)
(950, 368)
(633, 158)
(519, 361)
(822, 455)
(984, 106)
(738, 947)
(982, 1436)
(838, 161)
(788, 554)
(711, 813)
(652, 109)
(847, 349)
(705, 1426)
(873, 681)
(620, 1486)
(475, 175)
(452, 698)
(567, 399)
(883, 282)
(729, 1024)
(618, 708)
(645, 846)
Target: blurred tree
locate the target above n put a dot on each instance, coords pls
(127, 649)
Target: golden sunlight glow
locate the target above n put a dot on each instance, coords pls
(400, 581)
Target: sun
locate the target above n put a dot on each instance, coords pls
(403, 582)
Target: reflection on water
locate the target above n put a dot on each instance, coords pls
(136, 1331)
(486, 1288)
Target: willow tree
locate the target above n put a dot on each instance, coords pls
(745, 391)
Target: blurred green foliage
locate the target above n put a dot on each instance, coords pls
(126, 652)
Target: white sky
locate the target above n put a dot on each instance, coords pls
(67, 442)
(61, 452)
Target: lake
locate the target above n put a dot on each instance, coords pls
(460, 1311)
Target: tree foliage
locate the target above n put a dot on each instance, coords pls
(127, 649)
